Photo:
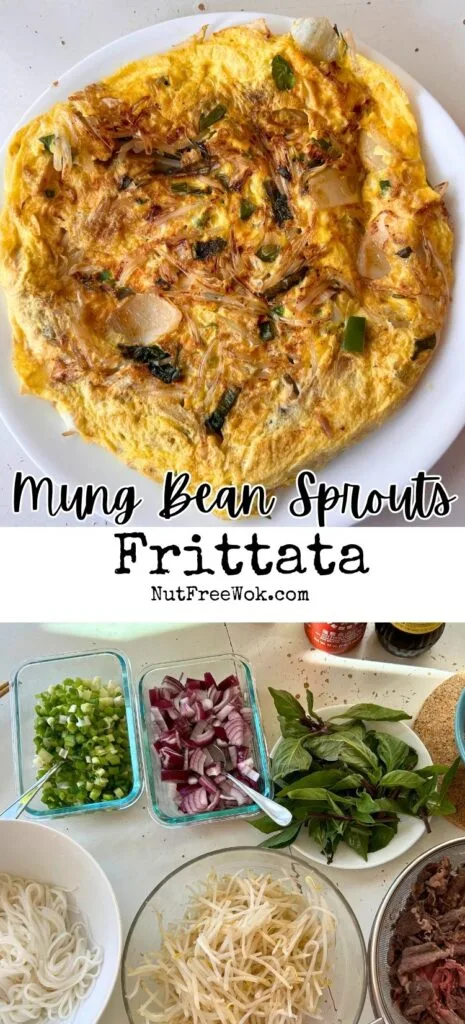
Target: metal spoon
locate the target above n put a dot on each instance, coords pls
(16, 809)
(279, 814)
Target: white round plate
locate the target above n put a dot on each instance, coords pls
(414, 438)
(410, 829)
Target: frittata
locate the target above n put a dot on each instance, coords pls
(226, 259)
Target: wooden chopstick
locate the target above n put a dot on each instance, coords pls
(4, 689)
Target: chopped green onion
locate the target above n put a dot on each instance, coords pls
(185, 188)
(384, 186)
(47, 142)
(354, 334)
(206, 120)
(247, 209)
(278, 310)
(283, 73)
(323, 144)
(106, 276)
(124, 292)
(84, 723)
(268, 253)
(266, 329)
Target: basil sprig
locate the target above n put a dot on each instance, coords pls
(345, 782)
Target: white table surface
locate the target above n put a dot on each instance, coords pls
(39, 39)
(135, 852)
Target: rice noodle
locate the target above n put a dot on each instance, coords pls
(47, 964)
(249, 949)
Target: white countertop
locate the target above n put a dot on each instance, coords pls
(136, 852)
(38, 41)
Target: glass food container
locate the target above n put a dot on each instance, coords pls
(32, 678)
(161, 802)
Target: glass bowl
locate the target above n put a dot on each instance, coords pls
(161, 803)
(31, 678)
(344, 998)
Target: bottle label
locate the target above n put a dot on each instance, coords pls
(417, 627)
(335, 637)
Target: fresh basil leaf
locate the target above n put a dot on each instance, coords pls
(449, 778)
(283, 838)
(347, 782)
(366, 805)
(401, 780)
(290, 756)
(283, 73)
(392, 751)
(432, 770)
(380, 836)
(324, 778)
(306, 780)
(421, 796)
(309, 692)
(354, 730)
(328, 835)
(357, 754)
(363, 819)
(327, 747)
(264, 824)
(373, 713)
(358, 840)
(438, 806)
(293, 728)
(307, 793)
(286, 705)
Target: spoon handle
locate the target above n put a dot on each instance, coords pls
(279, 814)
(16, 809)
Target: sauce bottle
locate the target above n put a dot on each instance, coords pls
(335, 637)
(408, 639)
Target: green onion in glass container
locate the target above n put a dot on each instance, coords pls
(84, 721)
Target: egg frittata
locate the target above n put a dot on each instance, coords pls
(226, 259)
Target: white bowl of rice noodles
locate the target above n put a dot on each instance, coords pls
(60, 928)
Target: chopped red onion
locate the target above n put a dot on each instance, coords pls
(186, 719)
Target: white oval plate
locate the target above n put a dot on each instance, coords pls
(410, 829)
(414, 438)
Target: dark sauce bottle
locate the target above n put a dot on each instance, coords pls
(408, 639)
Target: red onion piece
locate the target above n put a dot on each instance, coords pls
(234, 728)
(174, 775)
(202, 734)
(196, 684)
(227, 682)
(197, 760)
(208, 784)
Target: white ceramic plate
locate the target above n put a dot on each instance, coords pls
(413, 439)
(410, 829)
